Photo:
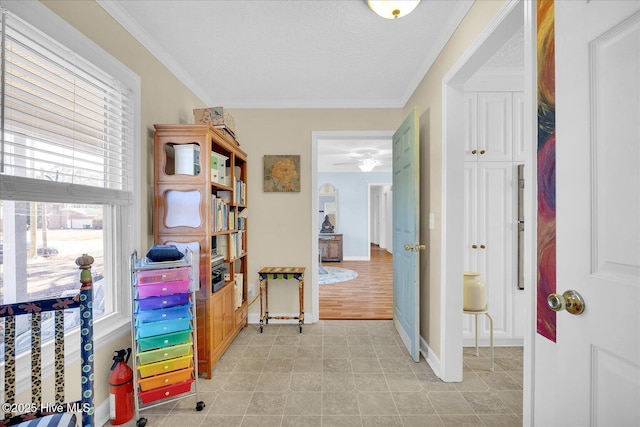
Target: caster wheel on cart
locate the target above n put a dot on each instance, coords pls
(141, 422)
(200, 406)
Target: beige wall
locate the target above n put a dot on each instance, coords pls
(428, 97)
(280, 223)
(164, 100)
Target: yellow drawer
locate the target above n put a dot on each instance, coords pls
(164, 366)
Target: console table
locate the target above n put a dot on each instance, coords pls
(282, 273)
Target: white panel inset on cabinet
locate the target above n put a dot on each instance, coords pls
(183, 208)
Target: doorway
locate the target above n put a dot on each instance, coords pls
(371, 262)
(505, 25)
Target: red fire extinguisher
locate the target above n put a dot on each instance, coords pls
(121, 388)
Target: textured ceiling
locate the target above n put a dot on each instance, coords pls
(298, 54)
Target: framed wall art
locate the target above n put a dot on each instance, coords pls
(281, 173)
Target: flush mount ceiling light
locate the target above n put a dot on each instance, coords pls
(392, 9)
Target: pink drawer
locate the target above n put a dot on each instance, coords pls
(165, 392)
(165, 275)
(165, 379)
(163, 288)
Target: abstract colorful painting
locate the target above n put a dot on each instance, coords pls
(546, 239)
(281, 173)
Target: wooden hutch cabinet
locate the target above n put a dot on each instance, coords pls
(200, 197)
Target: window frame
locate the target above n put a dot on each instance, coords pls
(126, 220)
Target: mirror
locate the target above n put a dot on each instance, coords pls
(328, 208)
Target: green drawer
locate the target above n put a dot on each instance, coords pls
(166, 340)
(164, 353)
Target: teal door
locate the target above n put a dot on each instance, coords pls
(406, 232)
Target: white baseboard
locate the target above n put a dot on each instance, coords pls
(431, 359)
(102, 414)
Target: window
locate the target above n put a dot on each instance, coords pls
(67, 160)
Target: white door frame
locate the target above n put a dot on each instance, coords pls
(507, 21)
(317, 136)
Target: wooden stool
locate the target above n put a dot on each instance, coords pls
(484, 311)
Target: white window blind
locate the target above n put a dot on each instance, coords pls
(63, 119)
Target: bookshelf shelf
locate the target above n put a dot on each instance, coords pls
(205, 204)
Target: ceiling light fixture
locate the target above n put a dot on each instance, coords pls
(392, 9)
(368, 165)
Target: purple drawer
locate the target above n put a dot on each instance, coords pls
(163, 301)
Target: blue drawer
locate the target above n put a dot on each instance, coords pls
(164, 327)
(163, 302)
(148, 316)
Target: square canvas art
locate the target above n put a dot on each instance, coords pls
(281, 173)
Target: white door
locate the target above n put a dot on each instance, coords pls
(489, 236)
(591, 375)
(406, 232)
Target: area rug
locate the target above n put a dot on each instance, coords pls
(335, 275)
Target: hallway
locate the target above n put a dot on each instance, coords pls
(369, 296)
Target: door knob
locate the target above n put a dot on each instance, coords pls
(474, 151)
(570, 300)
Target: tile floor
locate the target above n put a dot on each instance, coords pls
(345, 373)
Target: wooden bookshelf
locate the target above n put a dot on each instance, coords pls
(201, 198)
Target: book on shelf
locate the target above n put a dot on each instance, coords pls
(221, 246)
(238, 287)
(219, 214)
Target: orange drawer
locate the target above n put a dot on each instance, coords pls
(165, 392)
(165, 379)
(164, 366)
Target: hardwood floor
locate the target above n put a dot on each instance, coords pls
(368, 296)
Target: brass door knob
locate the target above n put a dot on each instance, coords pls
(482, 246)
(570, 300)
(482, 151)
(474, 246)
(474, 151)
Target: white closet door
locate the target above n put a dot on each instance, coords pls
(470, 217)
(495, 134)
(518, 132)
(489, 243)
(496, 228)
(470, 126)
